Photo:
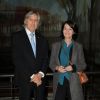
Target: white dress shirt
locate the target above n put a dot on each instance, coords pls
(29, 36)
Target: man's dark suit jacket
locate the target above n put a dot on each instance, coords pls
(23, 57)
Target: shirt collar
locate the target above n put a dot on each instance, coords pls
(28, 31)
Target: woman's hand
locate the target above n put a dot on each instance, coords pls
(69, 68)
(61, 69)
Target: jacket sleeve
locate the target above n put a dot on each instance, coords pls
(81, 59)
(53, 60)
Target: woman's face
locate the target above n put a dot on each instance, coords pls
(67, 31)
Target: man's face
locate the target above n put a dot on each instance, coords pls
(32, 22)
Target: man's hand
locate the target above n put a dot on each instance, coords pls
(37, 79)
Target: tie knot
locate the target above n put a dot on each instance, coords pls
(31, 34)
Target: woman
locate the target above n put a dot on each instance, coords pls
(66, 60)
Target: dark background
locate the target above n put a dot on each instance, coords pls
(53, 12)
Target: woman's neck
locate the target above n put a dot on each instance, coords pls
(68, 41)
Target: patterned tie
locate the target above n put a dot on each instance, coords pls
(33, 43)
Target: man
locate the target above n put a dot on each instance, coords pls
(30, 58)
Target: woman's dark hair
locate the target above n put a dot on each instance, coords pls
(71, 24)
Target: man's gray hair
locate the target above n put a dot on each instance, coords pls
(30, 13)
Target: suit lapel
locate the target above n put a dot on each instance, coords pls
(27, 43)
(37, 45)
